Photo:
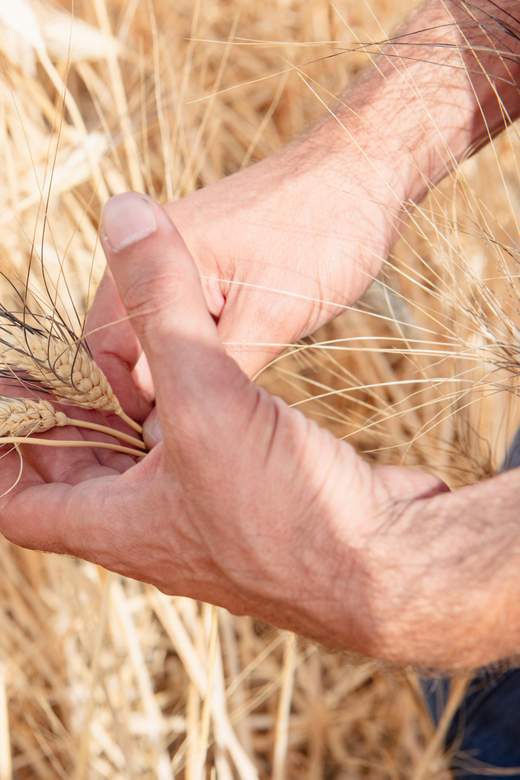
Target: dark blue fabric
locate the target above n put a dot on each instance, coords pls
(485, 732)
(512, 459)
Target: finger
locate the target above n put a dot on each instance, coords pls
(214, 286)
(54, 518)
(116, 348)
(14, 471)
(107, 328)
(160, 288)
(66, 516)
(27, 504)
(63, 517)
(152, 433)
(98, 520)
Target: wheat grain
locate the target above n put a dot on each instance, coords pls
(67, 371)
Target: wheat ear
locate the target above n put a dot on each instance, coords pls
(67, 371)
(19, 416)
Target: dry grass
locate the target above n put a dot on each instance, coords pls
(106, 678)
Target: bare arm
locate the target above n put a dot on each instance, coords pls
(444, 86)
(428, 580)
(316, 221)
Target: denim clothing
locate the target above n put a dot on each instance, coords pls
(485, 732)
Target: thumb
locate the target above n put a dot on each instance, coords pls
(159, 286)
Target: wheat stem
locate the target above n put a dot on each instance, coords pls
(128, 420)
(98, 445)
(109, 431)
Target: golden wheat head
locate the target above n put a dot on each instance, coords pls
(21, 416)
(65, 370)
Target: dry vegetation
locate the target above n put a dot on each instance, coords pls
(106, 678)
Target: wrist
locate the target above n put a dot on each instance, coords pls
(371, 170)
(355, 203)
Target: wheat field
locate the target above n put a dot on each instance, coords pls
(106, 678)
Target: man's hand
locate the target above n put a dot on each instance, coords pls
(285, 245)
(247, 504)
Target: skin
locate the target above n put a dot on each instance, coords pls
(243, 502)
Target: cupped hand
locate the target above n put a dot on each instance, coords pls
(246, 503)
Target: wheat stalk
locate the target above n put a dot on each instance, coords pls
(100, 445)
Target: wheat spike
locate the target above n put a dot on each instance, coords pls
(20, 416)
(65, 370)
(23, 416)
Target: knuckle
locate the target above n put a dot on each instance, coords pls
(140, 293)
(147, 292)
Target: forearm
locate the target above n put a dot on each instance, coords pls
(442, 88)
(445, 574)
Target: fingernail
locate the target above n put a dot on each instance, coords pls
(152, 433)
(127, 219)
